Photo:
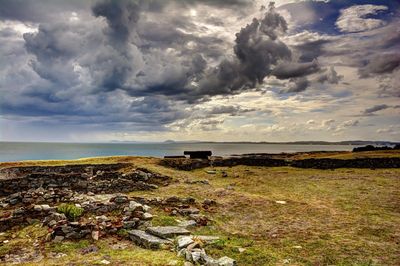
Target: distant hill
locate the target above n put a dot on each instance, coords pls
(347, 142)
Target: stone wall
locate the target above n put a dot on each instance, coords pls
(371, 163)
(102, 178)
(323, 163)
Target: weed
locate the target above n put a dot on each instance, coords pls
(70, 210)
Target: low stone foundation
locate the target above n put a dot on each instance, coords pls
(321, 163)
(99, 179)
(372, 163)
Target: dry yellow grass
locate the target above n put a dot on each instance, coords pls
(340, 217)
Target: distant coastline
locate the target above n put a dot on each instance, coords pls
(20, 151)
(345, 142)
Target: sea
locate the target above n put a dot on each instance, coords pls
(20, 151)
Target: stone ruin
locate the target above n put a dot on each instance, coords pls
(268, 160)
(101, 178)
(34, 194)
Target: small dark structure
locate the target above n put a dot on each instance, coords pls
(198, 154)
(373, 148)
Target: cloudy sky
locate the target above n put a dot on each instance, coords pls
(220, 70)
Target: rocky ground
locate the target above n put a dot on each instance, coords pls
(72, 202)
(136, 211)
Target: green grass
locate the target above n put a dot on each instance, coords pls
(71, 211)
(162, 219)
(340, 217)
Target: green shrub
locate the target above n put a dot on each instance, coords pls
(70, 210)
(123, 232)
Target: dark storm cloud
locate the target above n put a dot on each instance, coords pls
(292, 70)
(381, 64)
(372, 110)
(37, 11)
(121, 17)
(375, 109)
(115, 65)
(55, 46)
(311, 50)
(220, 2)
(120, 58)
(229, 109)
(259, 53)
(330, 76)
(298, 85)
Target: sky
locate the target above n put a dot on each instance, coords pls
(211, 70)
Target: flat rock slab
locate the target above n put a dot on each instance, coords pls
(207, 239)
(184, 241)
(186, 224)
(143, 239)
(167, 231)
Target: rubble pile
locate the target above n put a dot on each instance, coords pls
(77, 202)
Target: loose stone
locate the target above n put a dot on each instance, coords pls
(167, 231)
(184, 241)
(226, 261)
(146, 240)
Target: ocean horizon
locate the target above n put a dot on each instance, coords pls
(20, 151)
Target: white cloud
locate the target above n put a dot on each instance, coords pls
(353, 19)
(391, 130)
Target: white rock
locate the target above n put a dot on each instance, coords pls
(226, 261)
(105, 262)
(95, 235)
(134, 206)
(241, 250)
(188, 255)
(208, 261)
(167, 231)
(281, 202)
(196, 256)
(37, 208)
(102, 218)
(190, 223)
(146, 240)
(147, 216)
(184, 241)
(45, 207)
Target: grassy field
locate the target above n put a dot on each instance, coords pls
(330, 217)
